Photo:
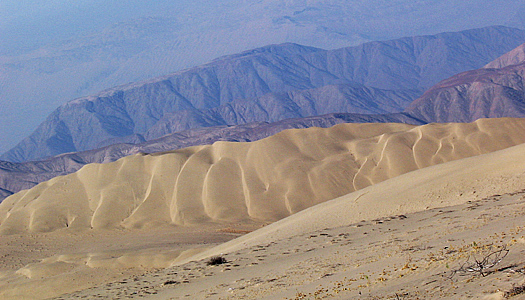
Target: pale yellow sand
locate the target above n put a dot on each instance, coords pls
(241, 186)
(443, 185)
(416, 233)
(265, 180)
(39, 266)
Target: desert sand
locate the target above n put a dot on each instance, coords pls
(265, 181)
(144, 225)
(415, 236)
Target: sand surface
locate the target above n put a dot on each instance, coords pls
(39, 266)
(106, 225)
(424, 254)
(413, 256)
(266, 180)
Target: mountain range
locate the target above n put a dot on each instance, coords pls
(266, 85)
(472, 95)
(495, 91)
(49, 56)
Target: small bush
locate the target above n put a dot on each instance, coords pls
(483, 265)
(216, 260)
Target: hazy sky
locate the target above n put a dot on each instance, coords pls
(32, 23)
(28, 24)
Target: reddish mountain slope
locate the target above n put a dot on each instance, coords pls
(483, 93)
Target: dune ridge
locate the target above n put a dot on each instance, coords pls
(452, 183)
(407, 234)
(263, 181)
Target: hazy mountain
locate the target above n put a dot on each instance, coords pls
(482, 93)
(510, 58)
(492, 93)
(18, 176)
(402, 65)
(273, 107)
(55, 51)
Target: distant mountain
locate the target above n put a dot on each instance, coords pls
(266, 78)
(273, 107)
(513, 57)
(483, 93)
(55, 51)
(487, 92)
(15, 177)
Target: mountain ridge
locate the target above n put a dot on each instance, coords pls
(482, 93)
(408, 63)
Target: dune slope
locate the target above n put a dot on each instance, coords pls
(407, 237)
(265, 180)
(449, 184)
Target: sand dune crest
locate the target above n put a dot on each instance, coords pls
(448, 184)
(265, 180)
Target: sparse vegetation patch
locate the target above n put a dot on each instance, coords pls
(216, 260)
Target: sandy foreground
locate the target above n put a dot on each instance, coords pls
(413, 256)
(428, 252)
(413, 235)
(40, 266)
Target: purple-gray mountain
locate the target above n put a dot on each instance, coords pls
(471, 95)
(266, 85)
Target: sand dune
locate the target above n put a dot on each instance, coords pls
(405, 238)
(58, 274)
(264, 181)
(457, 182)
